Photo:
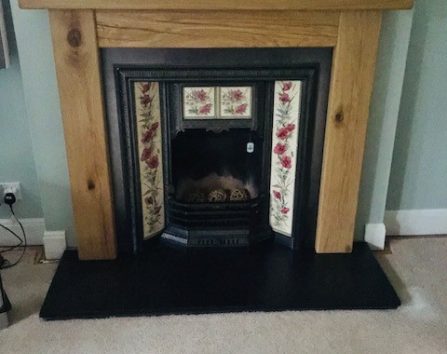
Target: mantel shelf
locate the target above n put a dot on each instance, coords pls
(301, 5)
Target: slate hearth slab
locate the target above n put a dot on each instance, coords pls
(166, 280)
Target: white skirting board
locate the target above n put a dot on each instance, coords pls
(416, 222)
(54, 242)
(34, 229)
(375, 236)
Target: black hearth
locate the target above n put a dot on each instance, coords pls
(164, 280)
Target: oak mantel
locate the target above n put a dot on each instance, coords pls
(172, 5)
(81, 27)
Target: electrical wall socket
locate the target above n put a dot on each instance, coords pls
(11, 187)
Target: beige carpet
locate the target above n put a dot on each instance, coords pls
(416, 266)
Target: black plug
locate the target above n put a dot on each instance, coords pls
(9, 199)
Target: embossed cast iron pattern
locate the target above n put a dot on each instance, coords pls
(235, 224)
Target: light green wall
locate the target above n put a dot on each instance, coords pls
(385, 102)
(44, 117)
(419, 170)
(16, 153)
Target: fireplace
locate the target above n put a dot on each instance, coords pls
(216, 147)
(215, 179)
(141, 179)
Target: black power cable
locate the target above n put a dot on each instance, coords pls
(15, 235)
(10, 201)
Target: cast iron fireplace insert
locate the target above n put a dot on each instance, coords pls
(213, 159)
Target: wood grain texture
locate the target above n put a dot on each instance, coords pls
(218, 4)
(210, 29)
(77, 67)
(350, 92)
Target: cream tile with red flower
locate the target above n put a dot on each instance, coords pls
(235, 102)
(147, 103)
(199, 102)
(286, 117)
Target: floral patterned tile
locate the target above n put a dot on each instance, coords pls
(199, 102)
(148, 119)
(286, 119)
(236, 102)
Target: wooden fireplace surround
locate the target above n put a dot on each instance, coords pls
(81, 27)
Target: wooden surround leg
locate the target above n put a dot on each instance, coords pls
(79, 79)
(351, 87)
